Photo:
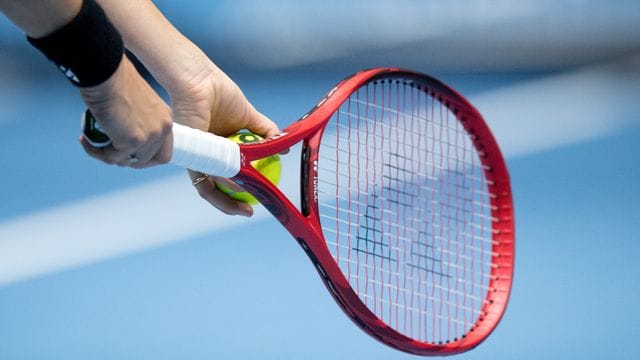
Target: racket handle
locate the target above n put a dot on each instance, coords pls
(192, 149)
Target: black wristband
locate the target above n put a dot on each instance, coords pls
(88, 50)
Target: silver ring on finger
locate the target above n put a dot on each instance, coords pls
(197, 181)
(133, 159)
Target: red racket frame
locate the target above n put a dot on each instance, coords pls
(305, 225)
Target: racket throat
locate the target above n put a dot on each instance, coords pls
(304, 181)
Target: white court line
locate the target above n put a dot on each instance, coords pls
(526, 118)
(108, 226)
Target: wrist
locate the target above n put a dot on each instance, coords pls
(168, 55)
(87, 50)
(181, 66)
(105, 92)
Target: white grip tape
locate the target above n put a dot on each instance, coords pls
(205, 152)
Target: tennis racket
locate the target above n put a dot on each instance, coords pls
(406, 208)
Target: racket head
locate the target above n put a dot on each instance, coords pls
(406, 209)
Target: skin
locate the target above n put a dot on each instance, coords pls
(132, 114)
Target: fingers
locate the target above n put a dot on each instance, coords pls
(135, 118)
(154, 152)
(258, 123)
(262, 125)
(207, 189)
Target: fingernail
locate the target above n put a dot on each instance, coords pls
(246, 212)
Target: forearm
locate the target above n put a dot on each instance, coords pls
(38, 18)
(146, 32)
(168, 54)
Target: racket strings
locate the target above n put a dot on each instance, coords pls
(479, 249)
(410, 220)
(424, 137)
(462, 198)
(453, 206)
(435, 166)
(460, 293)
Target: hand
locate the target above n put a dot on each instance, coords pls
(207, 99)
(202, 96)
(135, 118)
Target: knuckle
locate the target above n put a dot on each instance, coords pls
(165, 129)
(137, 140)
(163, 155)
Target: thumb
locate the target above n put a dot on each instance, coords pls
(259, 124)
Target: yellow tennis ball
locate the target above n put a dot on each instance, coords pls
(269, 167)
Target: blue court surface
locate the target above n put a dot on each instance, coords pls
(100, 262)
